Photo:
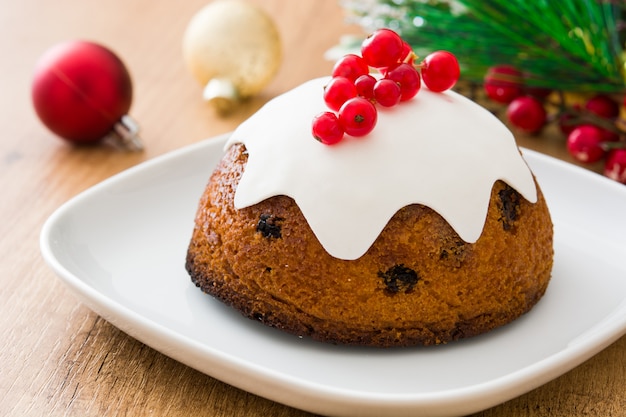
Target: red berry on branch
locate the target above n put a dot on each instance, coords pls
(609, 135)
(358, 116)
(538, 92)
(615, 166)
(383, 48)
(81, 90)
(338, 91)
(351, 67)
(567, 121)
(326, 128)
(584, 143)
(504, 83)
(603, 106)
(527, 114)
(408, 78)
(440, 71)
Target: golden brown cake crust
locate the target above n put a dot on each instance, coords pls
(419, 283)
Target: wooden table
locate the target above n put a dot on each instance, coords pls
(57, 356)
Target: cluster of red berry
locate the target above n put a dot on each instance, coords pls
(353, 92)
(593, 129)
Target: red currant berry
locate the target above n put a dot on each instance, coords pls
(383, 48)
(608, 135)
(365, 86)
(358, 116)
(387, 92)
(585, 143)
(350, 66)
(440, 71)
(567, 121)
(408, 78)
(615, 166)
(527, 114)
(338, 91)
(538, 92)
(326, 128)
(504, 83)
(603, 106)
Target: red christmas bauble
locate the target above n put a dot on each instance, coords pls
(81, 90)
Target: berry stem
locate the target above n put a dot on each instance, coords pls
(580, 117)
(607, 146)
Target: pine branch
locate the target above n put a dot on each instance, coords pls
(573, 45)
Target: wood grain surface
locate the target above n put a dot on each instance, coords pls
(58, 358)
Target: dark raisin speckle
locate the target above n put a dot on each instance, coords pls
(453, 252)
(510, 202)
(399, 278)
(269, 226)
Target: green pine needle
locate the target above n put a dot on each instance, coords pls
(572, 45)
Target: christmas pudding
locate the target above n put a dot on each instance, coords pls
(427, 229)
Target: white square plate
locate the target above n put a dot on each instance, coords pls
(121, 247)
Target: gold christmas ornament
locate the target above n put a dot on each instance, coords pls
(233, 49)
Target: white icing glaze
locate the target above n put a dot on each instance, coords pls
(439, 149)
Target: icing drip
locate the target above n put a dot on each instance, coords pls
(439, 149)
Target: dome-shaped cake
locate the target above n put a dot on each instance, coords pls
(429, 229)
